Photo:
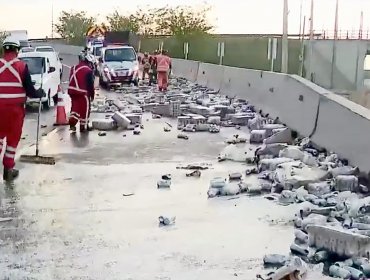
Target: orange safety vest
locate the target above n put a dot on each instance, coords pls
(77, 80)
(163, 63)
(11, 84)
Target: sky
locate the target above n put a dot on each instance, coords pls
(228, 16)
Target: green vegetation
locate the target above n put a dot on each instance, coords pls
(176, 25)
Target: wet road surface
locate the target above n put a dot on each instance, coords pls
(47, 117)
(73, 220)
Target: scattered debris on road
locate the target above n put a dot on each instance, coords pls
(166, 221)
(128, 194)
(195, 173)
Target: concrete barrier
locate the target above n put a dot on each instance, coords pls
(185, 68)
(280, 95)
(210, 75)
(344, 127)
(333, 121)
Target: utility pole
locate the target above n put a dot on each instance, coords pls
(300, 20)
(311, 20)
(285, 50)
(302, 48)
(361, 25)
(336, 21)
(52, 20)
(309, 70)
(334, 54)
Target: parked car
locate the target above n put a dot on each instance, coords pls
(44, 49)
(24, 44)
(56, 61)
(118, 65)
(26, 50)
(40, 66)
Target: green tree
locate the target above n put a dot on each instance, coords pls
(3, 35)
(183, 21)
(118, 22)
(73, 26)
(172, 21)
(146, 19)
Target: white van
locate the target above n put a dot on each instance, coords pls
(55, 60)
(39, 64)
(118, 65)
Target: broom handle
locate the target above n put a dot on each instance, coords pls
(39, 113)
(38, 128)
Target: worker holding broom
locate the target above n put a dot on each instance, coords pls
(15, 86)
(82, 91)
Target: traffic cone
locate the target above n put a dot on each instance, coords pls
(61, 117)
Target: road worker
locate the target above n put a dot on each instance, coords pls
(153, 68)
(82, 91)
(163, 69)
(15, 86)
(146, 66)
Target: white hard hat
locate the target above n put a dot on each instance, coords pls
(11, 42)
(83, 56)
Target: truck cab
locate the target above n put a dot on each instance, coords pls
(118, 65)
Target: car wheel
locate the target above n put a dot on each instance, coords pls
(47, 104)
(136, 82)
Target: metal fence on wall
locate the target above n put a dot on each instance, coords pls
(344, 34)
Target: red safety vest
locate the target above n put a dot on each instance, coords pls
(11, 84)
(77, 79)
(163, 63)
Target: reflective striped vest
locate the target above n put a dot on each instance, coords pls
(78, 80)
(11, 84)
(163, 63)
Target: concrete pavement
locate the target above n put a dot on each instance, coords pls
(73, 220)
(47, 117)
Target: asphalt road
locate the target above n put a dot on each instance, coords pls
(94, 215)
(47, 118)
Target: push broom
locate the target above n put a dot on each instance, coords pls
(37, 159)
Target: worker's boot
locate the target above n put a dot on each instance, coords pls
(10, 174)
(84, 129)
(72, 128)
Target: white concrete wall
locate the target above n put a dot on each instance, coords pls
(185, 68)
(335, 122)
(267, 91)
(348, 71)
(210, 75)
(344, 127)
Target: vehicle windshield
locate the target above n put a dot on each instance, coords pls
(27, 49)
(124, 54)
(35, 64)
(97, 51)
(24, 44)
(45, 49)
